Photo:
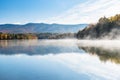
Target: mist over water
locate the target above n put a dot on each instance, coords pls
(100, 43)
(61, 42)
(68, 59)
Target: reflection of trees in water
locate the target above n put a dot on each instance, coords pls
(104, 54)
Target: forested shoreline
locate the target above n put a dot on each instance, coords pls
(105, 28)
(12, 36)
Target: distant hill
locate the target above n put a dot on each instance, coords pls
(106, 28)
(40, 28)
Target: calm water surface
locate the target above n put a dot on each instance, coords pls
(58, 60)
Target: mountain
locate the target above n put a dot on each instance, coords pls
(40, 28)
(106, 28)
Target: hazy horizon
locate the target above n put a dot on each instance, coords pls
(39, 23)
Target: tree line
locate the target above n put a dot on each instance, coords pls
(6, 36)
(11, 36)
(105, 27)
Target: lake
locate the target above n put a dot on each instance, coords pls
(59, 60)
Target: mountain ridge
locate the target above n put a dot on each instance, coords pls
(40, 28)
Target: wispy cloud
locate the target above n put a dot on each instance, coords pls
(88, 12)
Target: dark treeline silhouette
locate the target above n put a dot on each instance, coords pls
(105, 28)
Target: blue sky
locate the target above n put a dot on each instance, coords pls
(56, 11)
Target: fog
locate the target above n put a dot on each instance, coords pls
(100, 43)
(63, 42)
(46, 42)
(114, 34)
(105, 34)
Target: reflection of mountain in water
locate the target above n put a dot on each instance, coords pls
(104, 54)
(12, 47)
